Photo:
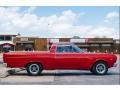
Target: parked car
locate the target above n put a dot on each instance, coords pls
(61, 56)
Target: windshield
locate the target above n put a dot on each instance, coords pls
(77, 48)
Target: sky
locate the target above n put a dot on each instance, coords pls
(57, 22)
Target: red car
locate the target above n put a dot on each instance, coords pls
(62, 57)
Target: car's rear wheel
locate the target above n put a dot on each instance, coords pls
(34, 69)
(99, 68)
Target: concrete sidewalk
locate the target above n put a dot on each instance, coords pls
(1, 57)
(3, 69)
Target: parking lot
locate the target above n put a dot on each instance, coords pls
(64, 77)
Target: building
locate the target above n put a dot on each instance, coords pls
(30, 44)
(116, 46)
(6, 42)
(18, 43)
(104, 45)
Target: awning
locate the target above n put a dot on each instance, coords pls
(6, 46)
(24, 41)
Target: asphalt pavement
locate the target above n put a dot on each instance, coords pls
(64, 77)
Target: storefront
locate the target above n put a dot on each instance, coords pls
(97, 45)
(24, 46)
(6, 42)
(6, 47)
(30, 44)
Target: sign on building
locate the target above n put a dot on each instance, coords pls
(54, 40)
(77, 40)
(24, 39)
(106, 44)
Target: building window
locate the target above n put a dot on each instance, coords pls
(1, 38)
(106, 44)
(5, 38)
(117, 41)
(28, 47)
(8, 38)
(94, 45)
(54, 40)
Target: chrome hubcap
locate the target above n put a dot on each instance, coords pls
(101, 68)
(34, 68)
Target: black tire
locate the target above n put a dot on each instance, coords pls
(34, 69)
(91, 70)
(99, 68)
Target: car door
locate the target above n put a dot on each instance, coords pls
(66, 58)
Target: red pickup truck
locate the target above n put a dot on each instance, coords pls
(61, 56)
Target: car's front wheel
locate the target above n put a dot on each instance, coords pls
(34, 69)
(99, 68)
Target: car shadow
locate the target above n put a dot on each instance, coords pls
(66, 74)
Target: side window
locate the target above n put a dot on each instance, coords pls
(75, 50)
(68, 49)
(60, 49)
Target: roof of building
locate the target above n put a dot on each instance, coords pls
(6, 42)
(8, 34)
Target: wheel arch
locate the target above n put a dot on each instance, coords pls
(101, 60)
(33, 62)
